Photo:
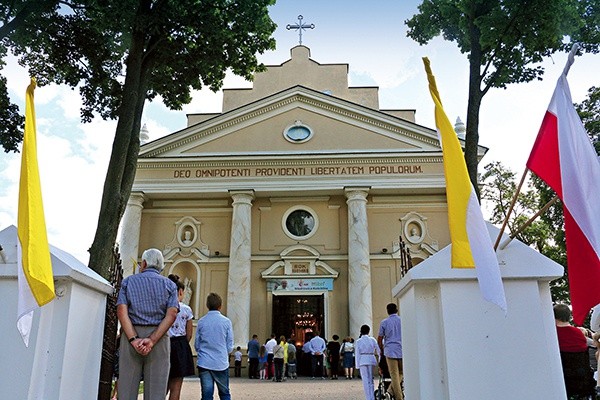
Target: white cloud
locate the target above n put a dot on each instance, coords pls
(74, 157)
(69, 101)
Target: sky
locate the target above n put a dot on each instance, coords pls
(369, 36)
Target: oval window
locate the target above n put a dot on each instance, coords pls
(297, 133)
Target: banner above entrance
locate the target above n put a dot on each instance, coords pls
(282, 285)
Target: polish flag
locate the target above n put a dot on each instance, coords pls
(565, 159)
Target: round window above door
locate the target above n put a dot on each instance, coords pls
(300, 222)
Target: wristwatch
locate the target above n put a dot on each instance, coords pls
(133, 338)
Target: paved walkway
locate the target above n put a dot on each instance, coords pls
(299, 389)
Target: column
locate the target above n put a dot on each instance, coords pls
(359, 268)
(238, 284)
(130, 232)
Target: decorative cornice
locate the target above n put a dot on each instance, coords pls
(157, 164)
(300, 98)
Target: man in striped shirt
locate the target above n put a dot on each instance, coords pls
(146, 307)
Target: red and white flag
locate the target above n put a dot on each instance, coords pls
(566, 160)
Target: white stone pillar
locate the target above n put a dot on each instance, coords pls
(457, 346)
(359, 267)
(238, 284)
(130, 232)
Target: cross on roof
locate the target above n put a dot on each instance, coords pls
(300, 27)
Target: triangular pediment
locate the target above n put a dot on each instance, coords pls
(338, 126)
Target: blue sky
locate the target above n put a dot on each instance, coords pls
(369, 36)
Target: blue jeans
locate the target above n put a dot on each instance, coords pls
(209, 378)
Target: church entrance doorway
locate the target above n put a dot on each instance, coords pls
(298, 317)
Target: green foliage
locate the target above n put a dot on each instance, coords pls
(498, 189)
(120, 53)
(505, 41)
(13, 15)
(186, 45)
(510, 34)
(11, 122)
(589, 112)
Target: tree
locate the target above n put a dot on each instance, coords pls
(14, 14)
(120, 53)
(498, 189)
(504, 41)
(589, 112)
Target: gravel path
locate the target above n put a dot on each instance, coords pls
(299, 389)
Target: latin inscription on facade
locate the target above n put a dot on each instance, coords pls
(296, 171)
(298, 268)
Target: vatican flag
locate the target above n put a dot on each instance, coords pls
(471, 243)
(36, 282)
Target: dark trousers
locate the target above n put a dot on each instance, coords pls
(278, 369)
(317, 365)
(253, 368)
(334, 362)
(237, 370)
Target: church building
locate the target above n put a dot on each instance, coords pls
(294, 203)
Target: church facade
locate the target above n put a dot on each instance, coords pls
(291, 202)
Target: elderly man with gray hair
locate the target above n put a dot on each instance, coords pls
(146, 307)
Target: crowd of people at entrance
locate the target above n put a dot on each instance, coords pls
(278, 360)
(156, 329)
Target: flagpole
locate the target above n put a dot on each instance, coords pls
(529, 222)
(512, 205)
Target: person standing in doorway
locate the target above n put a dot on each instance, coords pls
(390, 343)
(214, 342)
(270, 366)
(347, 354)
(283, 343)
(278, 355)
(333, 353)
(317, 348)
(146, 307)
(253, 349)
(291, 352)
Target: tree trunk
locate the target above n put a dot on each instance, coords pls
(123, 160)
(474, 104)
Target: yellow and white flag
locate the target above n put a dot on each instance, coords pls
(471, 243)
(36, 282)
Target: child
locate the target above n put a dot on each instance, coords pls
(238, 362)
(262, 362)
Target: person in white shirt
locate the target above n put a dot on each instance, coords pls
(237, 357)
(270, 366)
(366, 351)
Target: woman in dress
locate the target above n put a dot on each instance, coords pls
(366, 352)
(347, 352)
(182, 362)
